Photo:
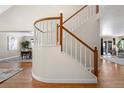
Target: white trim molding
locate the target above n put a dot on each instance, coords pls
(91, 81)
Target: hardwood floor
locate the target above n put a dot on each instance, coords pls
(110, 75)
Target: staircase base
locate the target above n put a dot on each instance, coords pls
(52, 66)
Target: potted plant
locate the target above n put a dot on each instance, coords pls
(119, 46)
(25, 45)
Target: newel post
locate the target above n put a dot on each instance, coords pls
(97, 9)
(61, 32)
(96, 61)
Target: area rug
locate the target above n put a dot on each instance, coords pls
(8, 73)
(114, 59)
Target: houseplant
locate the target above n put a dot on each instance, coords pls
(25, 45)
(119, 46)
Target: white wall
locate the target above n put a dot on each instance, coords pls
(112, 20)
(21, 18)
(4, 52)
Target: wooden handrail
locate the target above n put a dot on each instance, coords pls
(75, 13)
(78, 39)
(44, 19)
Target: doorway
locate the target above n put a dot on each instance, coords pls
(106, 47)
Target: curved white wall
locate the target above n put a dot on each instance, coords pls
(52, 66)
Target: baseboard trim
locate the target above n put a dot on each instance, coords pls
(80, 81)
(2, 59)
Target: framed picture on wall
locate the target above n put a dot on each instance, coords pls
(12, 43)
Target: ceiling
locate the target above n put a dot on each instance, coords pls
(3, 8)
(22, 17)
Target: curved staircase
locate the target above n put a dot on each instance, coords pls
(59, 56)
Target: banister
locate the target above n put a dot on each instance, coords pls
(95, 51)
(44, 19)
(77, 38)
(75, 14)
(62, 28)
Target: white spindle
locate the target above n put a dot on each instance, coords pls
(83, 17)
(51, 32)
(46, 38)
(90, 66)
(85, 57)
(75, 50)
(36, 37)
(71, 49)
(35, 40)
(58, 36)
(90, 11)
(80, 55)
(66, 43)
(80, 19)
(72, 25)
(86, 13)
(47, 33)
(43, 35)
(69, 25)
(75, 23)
(94, 10)
(39, 34)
